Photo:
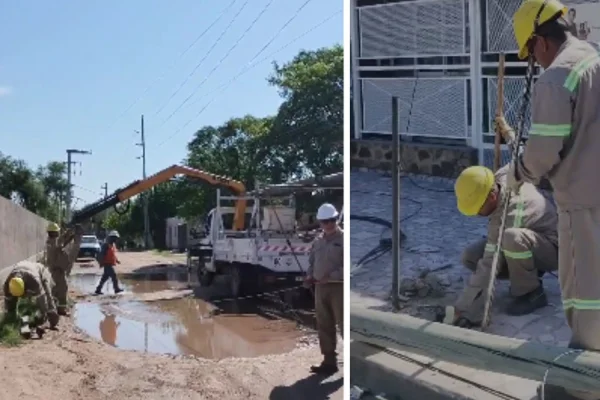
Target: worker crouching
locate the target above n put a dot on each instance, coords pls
(529, 243)
(29, 280)
(61, 253)
(326, 272)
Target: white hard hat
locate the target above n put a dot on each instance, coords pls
(113, 233)
(327, 211)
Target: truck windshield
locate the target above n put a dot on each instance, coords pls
(89, 239)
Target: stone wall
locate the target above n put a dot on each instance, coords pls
(22, 233)
(428, 159)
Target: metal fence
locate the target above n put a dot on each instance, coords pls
(433, 55)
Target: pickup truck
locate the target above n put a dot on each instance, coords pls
(89, 248)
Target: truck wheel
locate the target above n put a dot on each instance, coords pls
(236, 281)
(205, 277)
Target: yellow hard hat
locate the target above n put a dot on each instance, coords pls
(524, 20)
(16, 286)
(53, 227)
(472, 189)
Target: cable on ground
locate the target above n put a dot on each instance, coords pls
(385, 243)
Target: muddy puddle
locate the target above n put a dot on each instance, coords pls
(184, 326)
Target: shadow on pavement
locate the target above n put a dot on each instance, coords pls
(311, 387)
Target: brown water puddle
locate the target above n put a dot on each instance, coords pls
(182, 326)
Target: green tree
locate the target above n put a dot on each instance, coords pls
(312, 86)
(305, 137)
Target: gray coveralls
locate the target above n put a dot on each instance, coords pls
(326, 267)
(529, 245)
(38, 284)
(564, 146)
(60, 255)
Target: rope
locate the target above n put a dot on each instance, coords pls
(515, 153)
(542, 387)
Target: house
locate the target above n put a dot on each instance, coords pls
(176, 234)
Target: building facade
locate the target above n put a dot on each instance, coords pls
(440, 58)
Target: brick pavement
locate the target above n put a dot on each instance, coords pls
(436, 234)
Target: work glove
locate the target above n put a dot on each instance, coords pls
(512, 180)
(504, 129)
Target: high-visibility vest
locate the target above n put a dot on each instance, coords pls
(110, 257)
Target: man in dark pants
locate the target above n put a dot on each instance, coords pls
(107, 260)
(326, 272)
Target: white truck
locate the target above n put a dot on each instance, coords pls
(271, 250)
(267, 252)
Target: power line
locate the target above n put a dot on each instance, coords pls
(203, 58)
(85, 189)
(293, 17)
(246, 69)
(225, 85)
(166, 71)
(238, 41)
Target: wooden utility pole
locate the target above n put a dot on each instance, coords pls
(70, 162)
(142, 144)
(499, 112)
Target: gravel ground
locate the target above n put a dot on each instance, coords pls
(68, 364)
(436, 235)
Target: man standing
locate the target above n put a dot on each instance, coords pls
(61, 253)
(33, 280)
(529, 245)
(326, 272)
(564, 146)
(108, 260)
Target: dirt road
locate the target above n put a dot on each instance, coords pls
(70, 364)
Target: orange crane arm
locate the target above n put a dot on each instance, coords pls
(141, 186)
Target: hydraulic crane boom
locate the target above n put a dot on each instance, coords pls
(140, 186)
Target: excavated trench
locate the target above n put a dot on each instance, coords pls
(185, 326)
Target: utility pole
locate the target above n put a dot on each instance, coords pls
(105, 188)
(147, 239)
(70, 162)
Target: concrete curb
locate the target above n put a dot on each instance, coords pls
(401, 379)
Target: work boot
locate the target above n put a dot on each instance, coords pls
(553, 392)
(63, 311)
(325, 368)
(528, 303)
(53, 319)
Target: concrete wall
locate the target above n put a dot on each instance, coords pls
(427, 159)
(22, 233)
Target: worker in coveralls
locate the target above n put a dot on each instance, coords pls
(61, 253)
(108, 260)
(564, 146)
(326, 272)
(28, 279)
(529, 243)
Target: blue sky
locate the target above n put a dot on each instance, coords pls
(71, 70)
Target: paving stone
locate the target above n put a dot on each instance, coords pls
(436, 235)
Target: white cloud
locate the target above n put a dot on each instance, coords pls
(5, 91)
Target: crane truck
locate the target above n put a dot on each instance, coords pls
(256, 246)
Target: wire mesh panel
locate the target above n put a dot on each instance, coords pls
(415, 28)
(488, 157)
(500, 37)
(438, 107)
(513, 97)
